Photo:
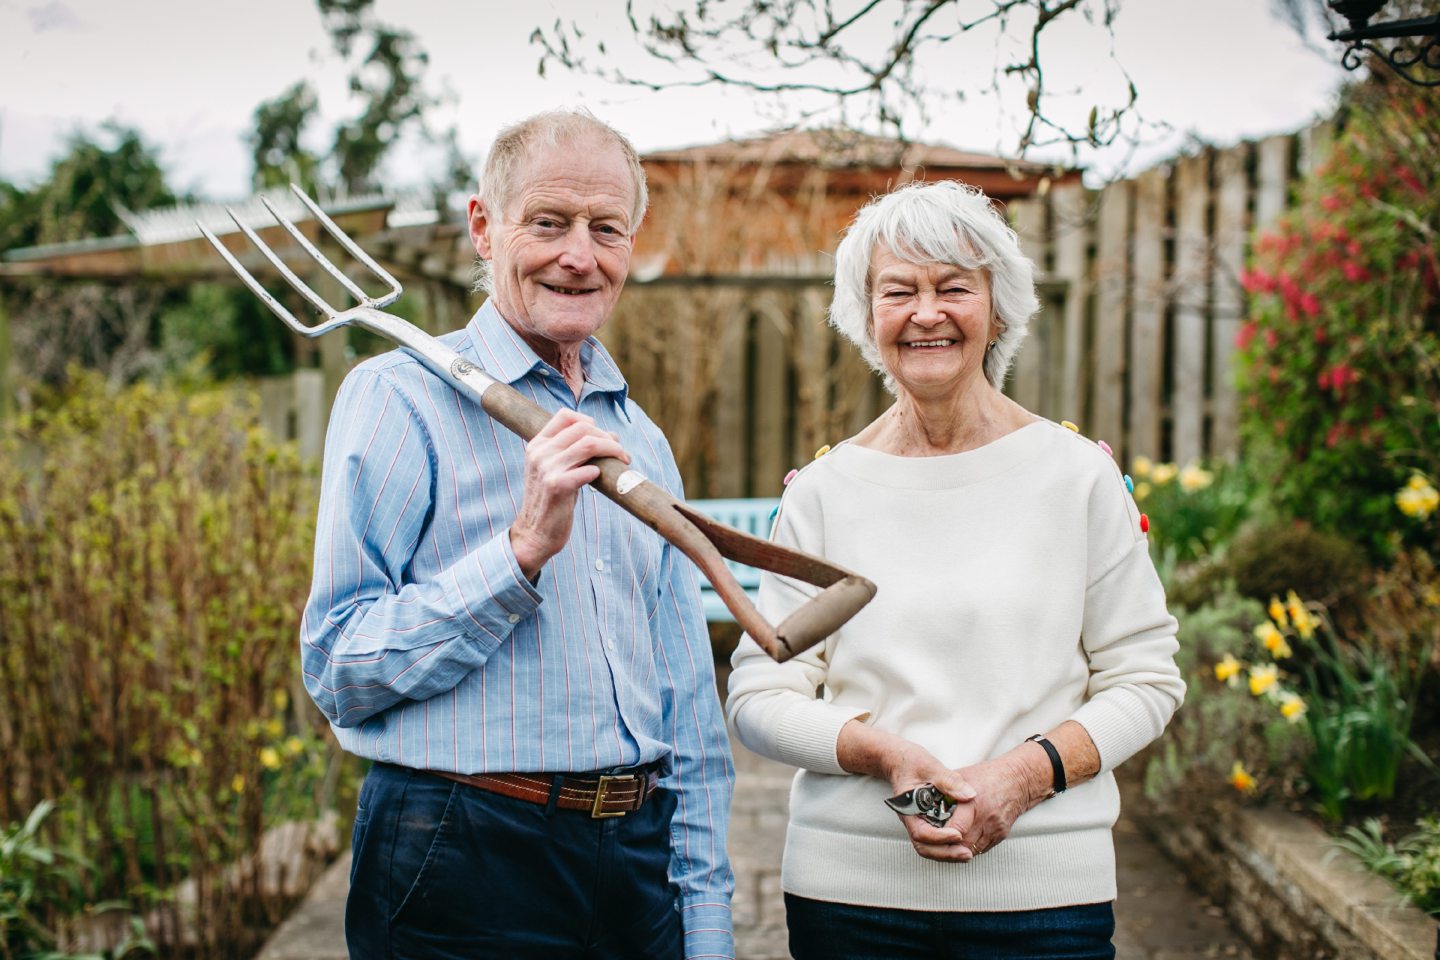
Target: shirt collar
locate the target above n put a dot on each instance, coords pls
(504, 355)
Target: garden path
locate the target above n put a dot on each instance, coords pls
(1158, 916)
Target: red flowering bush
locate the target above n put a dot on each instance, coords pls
(1340, 360)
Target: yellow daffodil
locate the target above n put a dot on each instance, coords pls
(1228, 670)
(1277, 612)
(1240, 779)
(1193, 478)
(1292, 708)
(282, 700)
(270, 758)
(273, 727)
(1142, 490)
(1263, 678)
(1269, 636)
(1164, 473)
(1279, 648)
(294, 746)
(1142, 466)
(237, 783)
(1301, 616)
(1418, 498)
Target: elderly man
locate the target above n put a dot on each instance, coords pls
(525, 664)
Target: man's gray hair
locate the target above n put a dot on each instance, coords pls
(521, 141)
(941, 222)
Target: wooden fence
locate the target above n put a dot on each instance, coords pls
(1134, 343)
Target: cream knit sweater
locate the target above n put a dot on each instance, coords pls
(1016, 591)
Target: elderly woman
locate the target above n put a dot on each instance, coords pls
(957, 738)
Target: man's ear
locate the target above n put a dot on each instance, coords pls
(479, 218)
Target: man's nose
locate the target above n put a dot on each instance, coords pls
(578, 251)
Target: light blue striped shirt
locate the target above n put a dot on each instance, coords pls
(425, 645)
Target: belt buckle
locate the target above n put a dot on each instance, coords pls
(597, 811)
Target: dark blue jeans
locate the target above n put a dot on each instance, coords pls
(837, 931)
(444, 870)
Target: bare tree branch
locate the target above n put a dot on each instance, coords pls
(802, 47)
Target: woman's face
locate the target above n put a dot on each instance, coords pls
(931, 322)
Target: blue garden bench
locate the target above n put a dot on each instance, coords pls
(750, 516)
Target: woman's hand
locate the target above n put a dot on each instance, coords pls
(1005, 788)
(906, 765)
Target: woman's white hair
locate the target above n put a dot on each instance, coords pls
(521, 142)
(938, 222)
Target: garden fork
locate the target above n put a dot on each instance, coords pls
(703, 540)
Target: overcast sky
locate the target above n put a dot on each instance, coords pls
(189, 74)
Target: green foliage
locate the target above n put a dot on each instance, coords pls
(42, 890)
(1360, 706)
(1412, 863)
(229, 327)
(96, 178)
(275, 147)
(1194, 510)
(154, 556)
(1341, 356)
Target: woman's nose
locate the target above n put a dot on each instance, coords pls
(927, 309)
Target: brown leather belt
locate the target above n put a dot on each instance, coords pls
(608, 795)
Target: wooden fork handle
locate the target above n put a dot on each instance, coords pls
(708, 543)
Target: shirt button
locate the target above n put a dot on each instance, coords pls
(599, 564)
(513, 618)
(610, 645)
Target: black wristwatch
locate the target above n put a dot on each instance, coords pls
(1057, 767)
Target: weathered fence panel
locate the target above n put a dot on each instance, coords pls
(1134, 343)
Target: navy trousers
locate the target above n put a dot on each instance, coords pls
(443, 870)
(837, 931)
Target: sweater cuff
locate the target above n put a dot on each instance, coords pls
(708, 929)
(809, 735)
(1117, 722)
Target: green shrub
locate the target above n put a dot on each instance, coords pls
(154, 555)
(1269, 561)
(1340, 380)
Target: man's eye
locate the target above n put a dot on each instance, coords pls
(546, 223)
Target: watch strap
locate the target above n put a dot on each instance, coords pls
(1057, 767)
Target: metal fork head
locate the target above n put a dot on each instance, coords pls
(335, 317)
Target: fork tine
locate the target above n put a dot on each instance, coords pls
(353, 249)
(315, 253)
(276, 307)
(298, 285)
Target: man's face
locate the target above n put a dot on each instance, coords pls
(560, 250)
